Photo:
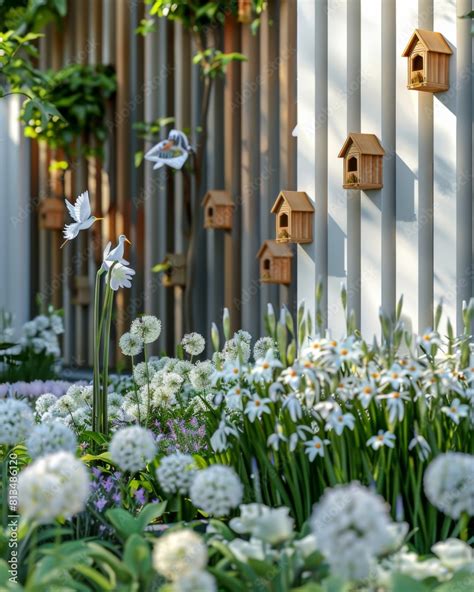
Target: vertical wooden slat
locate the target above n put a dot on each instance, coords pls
(464, 221)
(371, 105)
(232, 155)
(353, 125)
(182, 81)
(269, 136)
(425, 191)
(388, 138)
(337, 133)
(250, 172)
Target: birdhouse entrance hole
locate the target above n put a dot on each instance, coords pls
(266, 264)
(210, 213)
(417, 63)
(352, 164)
(283, 221)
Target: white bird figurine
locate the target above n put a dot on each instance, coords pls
(80, 212)
(116, 254)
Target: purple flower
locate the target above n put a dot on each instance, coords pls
(117, 498)
(100, 504)
(140, 495)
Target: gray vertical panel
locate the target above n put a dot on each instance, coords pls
(353, 125)
(250, 172)
(321, 152)
(464, 272)
(215, 174)
(389, 57)
(182, 85)
(269, 134)
(425, 180)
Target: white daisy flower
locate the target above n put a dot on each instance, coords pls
(382, 439)
(337, 421)
(456, 411)
(256, 406)
(315, 447)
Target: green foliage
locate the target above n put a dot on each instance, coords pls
(79, 94)
(31, 15)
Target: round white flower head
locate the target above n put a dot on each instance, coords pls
(131, 344)
(42, 322)
(198, 581)
(16, 421)
(44, 403)
(147, 327)
(53, 486)
(193, 344)
(261, 347)
(352, 526)
(56, 323)
(216, 490)
(179, 553)
(201, 375)
(449, 483)
(176, 473)
(132, 448)
(29, 329)
(140, 372)
(50, 437)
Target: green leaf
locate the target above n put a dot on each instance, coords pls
(139, 154)
(124, 523)
(150, 512)
(402, 583)
(137, 556)
(160, 267)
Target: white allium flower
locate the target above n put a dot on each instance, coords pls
(38, 344)
(30, 329)
(453, 553)
(56, 323)
(273, 527)
(53, 486)
(42, 322)
(140, 372)
(131, 344)
(201, 375)
(449, 483)
(198, 581)
(249, 513)
(172, 382)
(147, 327)
(193, 344)
(44, 403)
(352, 526)
(176, 473)
(180, 553)
(132, 448)
(50, 437)
(216, 490)
(183, 368)
(67, 404)
(16, 421)
(79, 420)
(261, 347)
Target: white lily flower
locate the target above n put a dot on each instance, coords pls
(395, 377)
(244, 523)
(119, 276)
(382, 439)
(453, 553)
(300, 434)
(234, 397)
(456, 411)
(277, 437)
(315, 447)
(219, 437)
(264, 367)
(395, 404)
(423, 449)
(366, 392)
(294, 407)
(337, 421)
(256, 407)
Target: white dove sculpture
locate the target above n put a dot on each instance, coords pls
(80, 212)
(116, 254)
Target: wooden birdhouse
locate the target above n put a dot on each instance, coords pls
(80, 290)
(275, 262)
(173, 268)
(294, 217)
(428, 56)
(51, 213)
(218, 210)
(363, 159)
(245, 11)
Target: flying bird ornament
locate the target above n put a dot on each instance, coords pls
(173, 151)
(80, 212)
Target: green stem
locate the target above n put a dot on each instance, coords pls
(97, 335)
(148, 397)
(109, 299)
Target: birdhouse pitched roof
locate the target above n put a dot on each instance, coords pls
(431, 41)
(365, 144)
(218, 198)
(297, 200)
(276, 249)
